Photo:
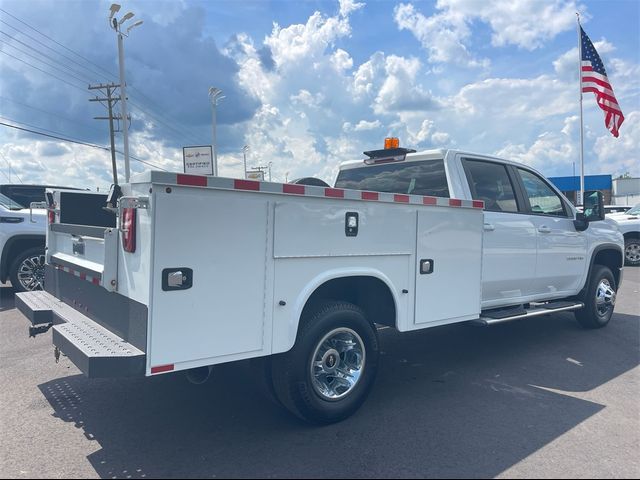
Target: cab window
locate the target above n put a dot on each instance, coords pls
(542, 198)
(489, 182)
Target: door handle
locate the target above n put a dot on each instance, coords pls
(489, 227)
(544, 229)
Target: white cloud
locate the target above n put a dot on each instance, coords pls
(566, 65)
(401, 90)
(550, 151)
(443, 35)
(446, 35)
(341, 60)
(349, 6)
(620, 155)
(364, 125)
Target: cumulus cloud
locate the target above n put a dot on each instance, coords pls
(620, 155)
(442, 35)
(446, 35)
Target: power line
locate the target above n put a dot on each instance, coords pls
(42, 61)
(70, 140)
(13, 39)
(49, 48)
(78, 142)
(149, 114)
(9, 165)
(57, 115)
(44, 71)
(58, 43)
(157, 116)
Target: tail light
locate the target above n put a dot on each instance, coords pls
(51, 213)
(128, 226)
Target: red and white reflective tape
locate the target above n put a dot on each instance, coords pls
(162, 369)
(306, 190)
(80, 275)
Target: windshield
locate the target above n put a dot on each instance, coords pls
(634, 211)
(417, 178)
(6, 202)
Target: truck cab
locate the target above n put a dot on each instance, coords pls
(532, 250)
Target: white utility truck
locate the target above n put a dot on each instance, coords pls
(199, 271)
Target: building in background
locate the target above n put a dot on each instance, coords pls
(626, 191)
(570, 186)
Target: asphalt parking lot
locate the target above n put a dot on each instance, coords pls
(535, 398)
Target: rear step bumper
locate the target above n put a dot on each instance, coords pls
(494, 317)
(96, 351)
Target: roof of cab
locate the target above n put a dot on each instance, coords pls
(411, 157)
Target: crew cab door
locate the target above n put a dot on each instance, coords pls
(509, 241)
(561, 249)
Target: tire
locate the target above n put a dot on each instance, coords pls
(27, 270)
(261, 373)
(632, 252)
(335, 340)
(599, 299)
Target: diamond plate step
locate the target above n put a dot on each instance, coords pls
(95, 350)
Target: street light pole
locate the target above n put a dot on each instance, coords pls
(215, 95)
(117, 26)
(245, 149)
(123, 107)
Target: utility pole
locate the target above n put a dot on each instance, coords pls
(110, 103)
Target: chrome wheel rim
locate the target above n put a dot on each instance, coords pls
(337, 364)
(605, 297)
(632, 252)
(31, 272)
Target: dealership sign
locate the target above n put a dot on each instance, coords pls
(198, 160)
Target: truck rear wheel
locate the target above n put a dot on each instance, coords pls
(599, 299)
(329, 372)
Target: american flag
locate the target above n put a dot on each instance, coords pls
(594, 79)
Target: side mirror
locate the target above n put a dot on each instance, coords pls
(593, 206)
(581, 223)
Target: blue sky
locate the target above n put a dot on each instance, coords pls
(311, 84)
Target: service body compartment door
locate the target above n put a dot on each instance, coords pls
(218, 241)
(449, 245)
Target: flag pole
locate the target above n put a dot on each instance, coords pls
(580, 200)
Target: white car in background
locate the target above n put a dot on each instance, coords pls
(22, 242)
(629, 225)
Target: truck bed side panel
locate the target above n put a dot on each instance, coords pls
(222, 237)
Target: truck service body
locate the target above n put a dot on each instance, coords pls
(202, 270)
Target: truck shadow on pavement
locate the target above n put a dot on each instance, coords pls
(454, 401)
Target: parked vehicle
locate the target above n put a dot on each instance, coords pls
(27, 194)
(200, 271)
(613, 209)
(629, 225)
(22, 240)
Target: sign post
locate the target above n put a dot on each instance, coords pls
(198, 160)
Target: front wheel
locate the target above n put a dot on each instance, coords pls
(632, 252)
(329, 372)
(27, 271)
(599, 299)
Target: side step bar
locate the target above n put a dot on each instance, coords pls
(493, 317)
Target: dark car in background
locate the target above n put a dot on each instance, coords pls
(25, 194)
